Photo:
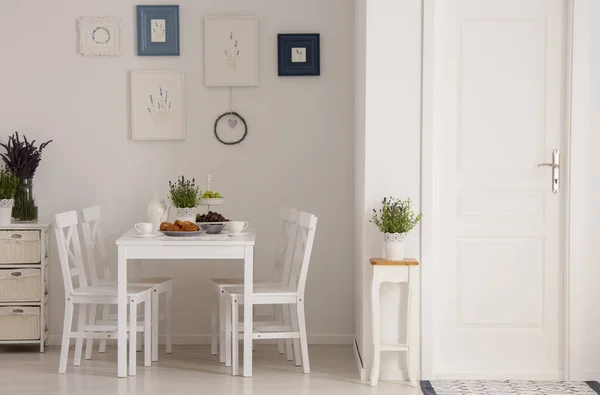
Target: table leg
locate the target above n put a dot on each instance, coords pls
(248, 317)
(375, 318)
(122, 312)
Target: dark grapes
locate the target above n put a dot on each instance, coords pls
(210, 217)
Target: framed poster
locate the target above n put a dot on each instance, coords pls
(230, 51)
(100, 35)
(158, 30)
(298, 54)
(157, 105)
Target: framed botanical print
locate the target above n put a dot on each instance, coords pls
(158, 30)
(157, 105)
(230, 51)
(100, 35)
(299, 54)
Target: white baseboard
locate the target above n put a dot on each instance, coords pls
(386, 374)
(205, 339)
(498, 376)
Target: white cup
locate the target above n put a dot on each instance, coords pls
(237, 226)
(143, 228)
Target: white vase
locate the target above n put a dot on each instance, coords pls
(393, 246)
(157, 211)
(6, 206)
(186, 214)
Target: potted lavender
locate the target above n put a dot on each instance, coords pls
(22, 159)
(8, 188)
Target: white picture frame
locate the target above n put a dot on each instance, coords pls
(100, 36)
(231, 51)
(157, 105)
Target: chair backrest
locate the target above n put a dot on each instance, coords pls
(69, 250)
(285, 248)
(95, 247)
(307, 226)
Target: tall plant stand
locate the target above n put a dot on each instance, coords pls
(210, 201)
(399, 272)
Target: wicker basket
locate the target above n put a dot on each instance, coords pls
(19, 323)
(19, 285)
(19, 246)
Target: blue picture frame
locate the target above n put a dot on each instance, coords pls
(299, 54)
(157, 30)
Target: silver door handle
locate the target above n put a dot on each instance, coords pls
(555, 165)
(548, 164)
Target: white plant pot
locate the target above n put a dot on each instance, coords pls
(393, 244)
(186, 214)
(6, 206)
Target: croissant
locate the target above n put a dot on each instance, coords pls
(174, 228)
(189, 227)
(179, 223)
(165, 225)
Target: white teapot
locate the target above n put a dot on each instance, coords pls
(158, 212)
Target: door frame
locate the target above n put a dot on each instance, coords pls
(428, 330)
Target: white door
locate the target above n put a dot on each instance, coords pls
(499, 87)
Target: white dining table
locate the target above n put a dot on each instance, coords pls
(220, 246)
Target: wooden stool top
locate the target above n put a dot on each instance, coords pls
(404, 262)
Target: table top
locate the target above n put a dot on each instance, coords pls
(385, 262)
(131, 238)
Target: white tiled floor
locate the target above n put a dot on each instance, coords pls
(189, 370)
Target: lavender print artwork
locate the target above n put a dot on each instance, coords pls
(232, 52)
(160, 106)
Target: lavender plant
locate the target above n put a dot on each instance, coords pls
(22, 157)
(395, 216)
(184, 193)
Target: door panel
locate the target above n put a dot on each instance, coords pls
(498, 112)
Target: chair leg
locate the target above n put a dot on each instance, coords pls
(228, 334)
(289, 352)
(64, 350)
(295, 342)
(105, 312)
(154, 326)
(132, 337)
(147, 332)
(278, 316)
(235, 344)
(89, 345)
(303, 339)
(79, 341)
(222, 310)
(168, 321)
(214, 329)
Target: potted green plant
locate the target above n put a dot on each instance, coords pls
(22, 159)
(184, 195)
(8, 188)
(395, 219)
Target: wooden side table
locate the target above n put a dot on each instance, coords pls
(385, 271)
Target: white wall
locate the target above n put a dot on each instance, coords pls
(387, 151)
(585, 192)
(299, 150)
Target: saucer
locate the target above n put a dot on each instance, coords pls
(149, 235)
(236, 234)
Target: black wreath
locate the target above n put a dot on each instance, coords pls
(235, 114)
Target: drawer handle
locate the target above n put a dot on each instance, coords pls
(18, 311)
(16, 236)
(16, 274)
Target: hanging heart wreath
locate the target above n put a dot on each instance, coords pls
(232, 122)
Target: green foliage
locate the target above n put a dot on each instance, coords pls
(8, 184)
(184, 193)
(395, 216)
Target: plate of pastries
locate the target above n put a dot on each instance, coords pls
(180, 229)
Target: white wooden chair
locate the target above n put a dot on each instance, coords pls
(291, 293)
(279, 274)
(97, 257)
(84, 295)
